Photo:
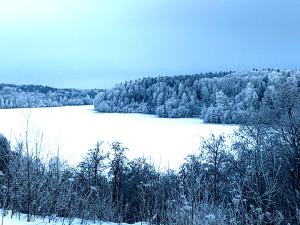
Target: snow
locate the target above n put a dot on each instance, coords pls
(20, 219)
(72, 130)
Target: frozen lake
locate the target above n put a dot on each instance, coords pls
(75, 129)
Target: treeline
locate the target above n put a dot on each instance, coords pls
(255, 180)
(24, 96)
(224, 97)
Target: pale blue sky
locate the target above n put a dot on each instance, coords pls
(96, 43)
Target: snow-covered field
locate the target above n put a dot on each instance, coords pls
(75, 129)
(20, 219)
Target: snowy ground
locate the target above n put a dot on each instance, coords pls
(20, 219)
(75, 129)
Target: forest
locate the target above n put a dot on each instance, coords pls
(253, 180)
(223, 97)
(25, 96)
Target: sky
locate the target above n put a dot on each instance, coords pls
(97, 43)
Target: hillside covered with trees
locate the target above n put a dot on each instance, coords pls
(25, 96)
(224, 97)
(255, 180)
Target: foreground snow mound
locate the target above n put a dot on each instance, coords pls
(21, 219)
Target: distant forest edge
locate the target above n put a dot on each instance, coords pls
(25, 96)
(223, 97)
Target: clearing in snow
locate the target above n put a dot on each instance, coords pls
(72, 130)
